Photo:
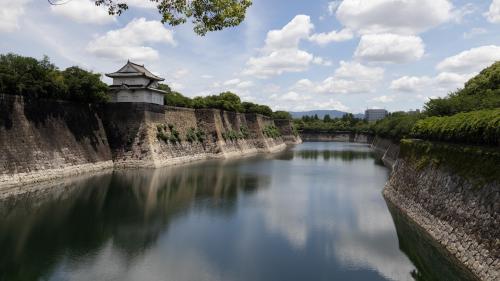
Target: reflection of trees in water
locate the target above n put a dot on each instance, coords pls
(344, 155)
(129, 208)
(432, 262)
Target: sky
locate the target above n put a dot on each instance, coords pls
(292, 55)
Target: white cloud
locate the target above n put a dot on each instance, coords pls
(473, 32)
(332, 6)
(452, 81)
(333, 36)
(410, 83)
(127, 42)
(350, 77)
(281, 52)
(289, 36)
(207, 76)
(441, 84)
(10, 13)
(180, 73)
(390, 48)
(384, 99)
(321, 61)
(83, 11)
(278, 62)
(472, 60)
(393, 16)
(493, 14)
(147, 4)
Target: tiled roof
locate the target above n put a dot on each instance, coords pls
(134, 69)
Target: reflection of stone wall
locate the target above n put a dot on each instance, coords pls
(458, 210)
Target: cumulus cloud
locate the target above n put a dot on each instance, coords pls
(390, 48)
(332, 6)
(442, 83)
(333, 36)
(10, 13)
(410, 83)
(393, 16)
(493, 14)
(83, 11)
(350, 77)
(383, 99)
(472, 60)
(140, 3)
(281, 52)
(128, 42)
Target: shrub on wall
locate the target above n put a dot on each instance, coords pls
(476, 127)
(271, 131)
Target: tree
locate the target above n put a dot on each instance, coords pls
(327, 118)
(480, 92)
(206, 15)
(282, 115)
(84, 86)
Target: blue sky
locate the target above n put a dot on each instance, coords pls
(290, 54)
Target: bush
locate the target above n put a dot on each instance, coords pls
(271, 131)
(245, 133)
(282, 115)
(396, 126)
(476, 127)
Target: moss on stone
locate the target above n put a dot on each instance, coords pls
(477, 164)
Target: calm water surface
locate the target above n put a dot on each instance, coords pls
(314, 212)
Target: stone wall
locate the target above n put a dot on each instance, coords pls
(289, 135)
(336, 136)
(387, 150)
(42, 140)
(452, 193)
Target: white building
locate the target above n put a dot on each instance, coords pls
(134, 83)
(372, 115)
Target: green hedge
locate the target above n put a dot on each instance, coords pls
(475, 127)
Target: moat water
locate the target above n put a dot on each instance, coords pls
(313, 212)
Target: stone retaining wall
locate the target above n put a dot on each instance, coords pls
(461, 213)
(44, 139)
(336, 136)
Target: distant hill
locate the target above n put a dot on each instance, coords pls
(322, 113)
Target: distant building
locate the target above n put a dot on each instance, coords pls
(416, 111)
(372, 115)
(134, 83)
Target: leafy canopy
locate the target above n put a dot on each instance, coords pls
(480, 92)
(206, 15)
(32, 78)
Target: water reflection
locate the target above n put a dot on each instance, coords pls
(287, 216)
(126, 209)
(432, 262)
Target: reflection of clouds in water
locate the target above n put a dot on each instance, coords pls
(155, 264)
(359, 229)
(285, 213)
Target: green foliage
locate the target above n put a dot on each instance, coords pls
(173, 98)
(347, 123)
(245, 133)
(250, 107)
(271, 131)
(477, 164)
(476, 127)
(396, 126)
(282, 115)
(232, 135)
(205, 15)
(31, 78)
(163, 135)
(480, 92)
(195, 135)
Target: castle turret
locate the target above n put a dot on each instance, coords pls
(134, 83)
